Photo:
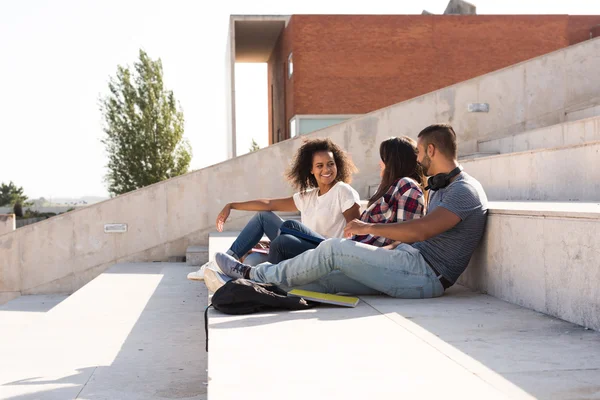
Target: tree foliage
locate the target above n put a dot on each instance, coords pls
(254, 146)
(11, 194)
(144, 128)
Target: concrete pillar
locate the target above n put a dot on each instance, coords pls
(7, 223)
(230, 90)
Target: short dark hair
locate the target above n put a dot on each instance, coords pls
(442, 136)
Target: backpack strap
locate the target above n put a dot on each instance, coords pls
(206, 324)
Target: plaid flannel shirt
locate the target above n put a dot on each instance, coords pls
(403, 201)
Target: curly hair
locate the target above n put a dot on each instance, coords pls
(299, 172)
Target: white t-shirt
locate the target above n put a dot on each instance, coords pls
(323, 214)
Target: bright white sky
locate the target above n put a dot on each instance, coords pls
(56, 57)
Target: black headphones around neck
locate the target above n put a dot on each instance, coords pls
(440, 181)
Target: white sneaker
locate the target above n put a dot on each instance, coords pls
(214, 279)
(199, 275)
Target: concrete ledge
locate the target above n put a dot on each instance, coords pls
(543, 257)
(196, 255)
(546, 209)
(474, 345)
(559, 174)
(570, 133)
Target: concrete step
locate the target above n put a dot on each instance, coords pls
(567, 173)
(222, 241)
(543, 256)
(586, 109)
(569, 133)
(134, 332)
(389, 348)
(196, 255)
(471, 156)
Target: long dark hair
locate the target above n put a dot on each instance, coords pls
(399, 155)
(299, 172)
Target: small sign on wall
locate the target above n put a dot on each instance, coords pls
(478, 107)
(115, 228)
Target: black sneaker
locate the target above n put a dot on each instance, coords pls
(232, 267)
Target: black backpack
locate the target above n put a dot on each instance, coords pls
(243, 296)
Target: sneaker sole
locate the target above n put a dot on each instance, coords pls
(212, 281)
(195, 278)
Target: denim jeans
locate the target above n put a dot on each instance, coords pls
(263, 223)
(282, 246)
(287, 246)
(345, 266)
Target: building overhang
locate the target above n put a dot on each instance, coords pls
(255, 36)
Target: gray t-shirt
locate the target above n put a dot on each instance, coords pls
(449, 252)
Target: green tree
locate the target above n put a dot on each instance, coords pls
(11, 194)
(254, 146)
(144, 128)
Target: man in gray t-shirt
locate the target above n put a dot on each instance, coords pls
(449, 252)
(430, 252)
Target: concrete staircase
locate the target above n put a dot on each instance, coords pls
(541, 249)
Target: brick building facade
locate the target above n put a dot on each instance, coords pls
(353, 64)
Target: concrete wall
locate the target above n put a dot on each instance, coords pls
(542, 259)
(7, 223)
(65, 252)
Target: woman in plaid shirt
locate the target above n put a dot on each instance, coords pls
(400, 196)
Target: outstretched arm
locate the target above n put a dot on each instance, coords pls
(284, 204)
(417, 230)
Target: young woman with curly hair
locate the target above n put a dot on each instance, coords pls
(321, 172)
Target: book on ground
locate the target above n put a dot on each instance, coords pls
(336, 299)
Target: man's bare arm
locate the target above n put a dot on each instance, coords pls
(416, 230)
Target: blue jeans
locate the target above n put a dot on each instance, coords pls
(286, 246)
(345, 266)
(282, 246)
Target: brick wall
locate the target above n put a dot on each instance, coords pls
(580, 27)
(354, 64)
(281, 89)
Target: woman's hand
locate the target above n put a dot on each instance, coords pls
(222, 217)
(356, 227)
